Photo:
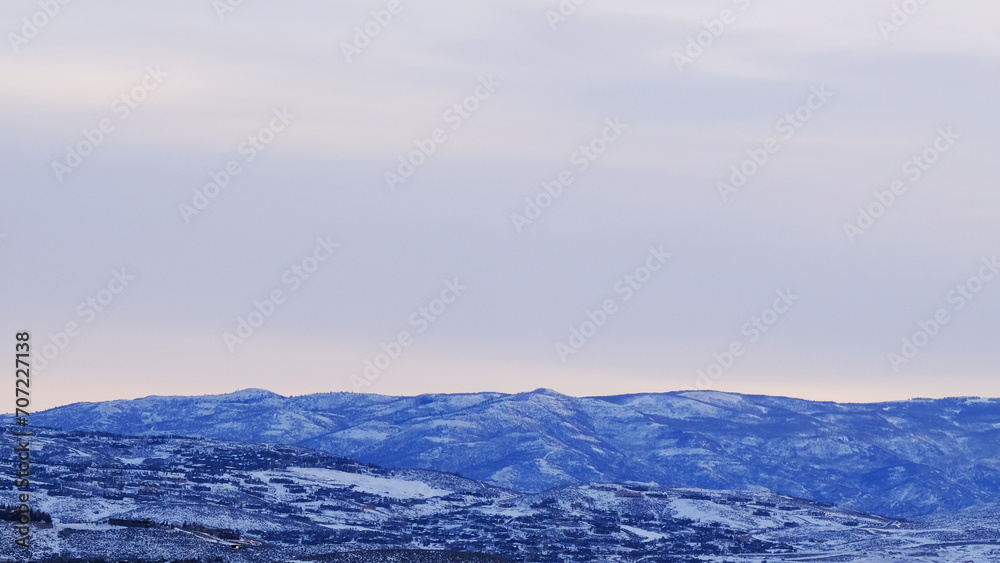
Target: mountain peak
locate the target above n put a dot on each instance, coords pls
(252, 394)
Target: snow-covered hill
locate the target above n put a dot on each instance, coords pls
(899, 459)
(284, 503)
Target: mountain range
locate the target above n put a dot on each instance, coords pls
(898, 459)
(102, 497)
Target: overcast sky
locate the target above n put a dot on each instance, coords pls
(677, 269)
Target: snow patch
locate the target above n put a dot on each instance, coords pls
(396, 488)
(649, 536)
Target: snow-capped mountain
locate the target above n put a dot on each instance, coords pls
(150, 499)
(897, 458)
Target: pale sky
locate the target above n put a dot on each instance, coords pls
(649, 249)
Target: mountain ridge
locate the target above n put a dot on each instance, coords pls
(900, 458)
(144, 499)
(258, 391)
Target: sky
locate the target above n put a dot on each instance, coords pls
(403, 197)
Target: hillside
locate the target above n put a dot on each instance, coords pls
(194, 499)
(900, 458)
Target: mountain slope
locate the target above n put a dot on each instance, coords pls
(899, 459)
(150, 499)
